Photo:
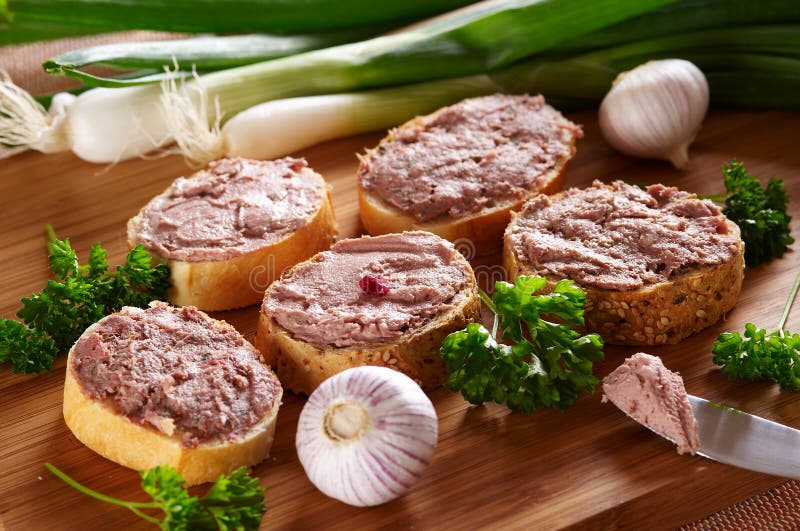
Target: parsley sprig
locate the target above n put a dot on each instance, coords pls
(759, 212)
(78, 296)
(235, 501)
(758, 355)
(544, 364)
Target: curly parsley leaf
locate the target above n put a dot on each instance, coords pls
(79, 296)
(546, 363)
(235, 501)
(479, 366)
(166, 486)
(97, 265)
(28, 350)
(759, 212)
(137, 282)
(758, 355)
(63, 259)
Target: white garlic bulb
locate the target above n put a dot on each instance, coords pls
(655, 110)
(366, 434)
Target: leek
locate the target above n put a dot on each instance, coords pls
(107, 125)
(224, 16)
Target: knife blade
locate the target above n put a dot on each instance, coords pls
(737, 438)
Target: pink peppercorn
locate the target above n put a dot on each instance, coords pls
(374, 285)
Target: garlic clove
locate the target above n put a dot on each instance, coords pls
(366, 435)
(656, 110)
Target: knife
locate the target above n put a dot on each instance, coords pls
(737, 438)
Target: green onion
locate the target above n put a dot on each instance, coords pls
(280, 127)
(756, 89)
(211, 53)
(231, 16)
(686, 16)
(201, 53)
(40, 31)
(111, 125)
(768, 40)
(488, 36)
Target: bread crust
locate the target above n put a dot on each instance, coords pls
(100, 428)
(240, 281)
(657, 314)
(482, 230)
(302, 366)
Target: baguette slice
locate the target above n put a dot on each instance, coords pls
(480, 231)
(240, 280)
(660, 313)
(302, 366)
(97, 425)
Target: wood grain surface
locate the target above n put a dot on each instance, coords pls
(589, 467)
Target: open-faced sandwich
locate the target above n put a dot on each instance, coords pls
(386, 300)
(171, 386)
(657, 265)
(233, 228)
(459, 171)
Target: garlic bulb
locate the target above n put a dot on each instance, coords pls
(655, 110)
(366, 434)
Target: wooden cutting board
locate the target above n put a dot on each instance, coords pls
(589, 466)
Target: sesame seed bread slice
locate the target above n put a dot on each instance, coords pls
(663, 313)
(302, 366)
(695, 297)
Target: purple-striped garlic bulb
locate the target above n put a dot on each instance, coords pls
(366, 435)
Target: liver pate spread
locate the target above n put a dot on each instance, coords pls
(369, 290)
(231, 208)
(621, 237)
(176, 370)
(653, 395)
(477, 154)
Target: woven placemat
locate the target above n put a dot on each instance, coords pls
(778, 508)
